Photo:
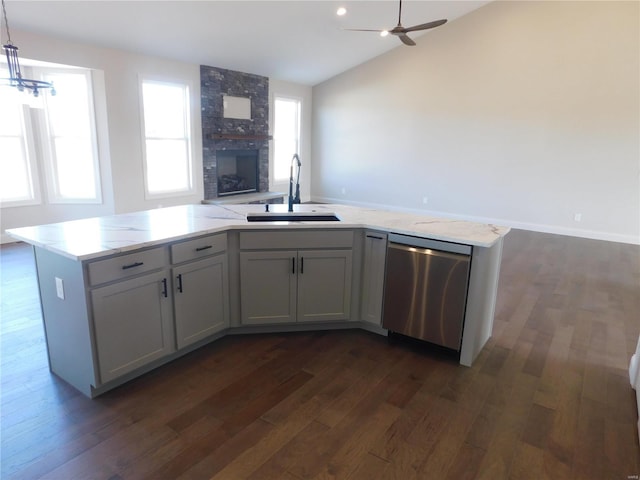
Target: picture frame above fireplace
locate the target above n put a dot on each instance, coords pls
(236, 107)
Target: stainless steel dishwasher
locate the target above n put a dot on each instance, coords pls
(426, 289)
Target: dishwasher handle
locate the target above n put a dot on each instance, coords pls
(427, 251)
(429, 243)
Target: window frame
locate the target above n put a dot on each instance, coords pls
(188, 129)
(48, 149)
(28, 144)
(275, 182)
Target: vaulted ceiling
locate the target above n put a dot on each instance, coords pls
(299, 41)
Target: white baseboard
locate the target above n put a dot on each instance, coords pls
(535, 227)
(4, 238)
(634, 379)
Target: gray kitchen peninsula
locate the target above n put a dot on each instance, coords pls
(123, 294)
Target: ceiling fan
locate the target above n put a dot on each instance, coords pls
(400, 31)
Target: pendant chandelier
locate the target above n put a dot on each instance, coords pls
(15, 74)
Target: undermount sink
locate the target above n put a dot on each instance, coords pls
(292, 217)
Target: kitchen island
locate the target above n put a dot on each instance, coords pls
(124, 294)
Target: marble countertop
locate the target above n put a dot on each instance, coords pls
(101, 236)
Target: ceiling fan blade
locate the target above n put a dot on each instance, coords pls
(426, 26)
(406, 40)
(362, 30)
(401, 32)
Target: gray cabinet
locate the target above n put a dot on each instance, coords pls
(375, 252)
(324, 285)
(201, 301)
(133, 324)
(288, 284)
(268, 287)
(142, 311)
(200, 288)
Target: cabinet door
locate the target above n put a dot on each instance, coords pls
(201, 302)
(268, 287)
(324, 285)
(133, 324)
(375, 252)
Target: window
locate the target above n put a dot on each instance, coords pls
(70, 145)
(286, 135)
(18, 175)
(167, 142)
(53, 135)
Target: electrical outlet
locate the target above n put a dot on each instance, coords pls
(577, 217)
(60, 288)
(425, 200)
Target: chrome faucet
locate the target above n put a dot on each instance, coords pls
(295, 199)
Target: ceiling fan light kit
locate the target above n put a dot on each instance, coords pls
(400, 31)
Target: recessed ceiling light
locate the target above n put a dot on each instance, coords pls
(341, 11)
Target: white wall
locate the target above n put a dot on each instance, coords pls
(520, 113)
(117, 77)
(304, 93)
(121, 135)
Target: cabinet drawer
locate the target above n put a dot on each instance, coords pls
(297, 239)
(128, 265)
(198, 248)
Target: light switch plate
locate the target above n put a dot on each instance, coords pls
(60, 288)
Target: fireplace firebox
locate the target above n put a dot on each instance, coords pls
(237, 171)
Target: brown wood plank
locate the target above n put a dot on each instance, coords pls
(369, 467)
(229, 451)
(528, 463)
(396, 436)
(355, 450)
(465, 465)
(538, 425)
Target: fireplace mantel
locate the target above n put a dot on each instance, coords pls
(237, 136)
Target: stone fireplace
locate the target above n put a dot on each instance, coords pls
(224, 137)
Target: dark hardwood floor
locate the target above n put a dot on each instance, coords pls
(549, 396)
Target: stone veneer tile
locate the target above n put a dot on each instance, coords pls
(214, 84)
